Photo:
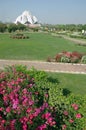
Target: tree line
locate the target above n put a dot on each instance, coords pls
(11, 27)
(66, 27)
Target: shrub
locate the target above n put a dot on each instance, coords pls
(58, 57)
(22, 107)
(19, 36)
(29, 99)
(69, 57)
(65, 59)
(83, 60)
(70, 112)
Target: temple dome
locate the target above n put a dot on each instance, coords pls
(26, 18)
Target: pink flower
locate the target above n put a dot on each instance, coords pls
(42, 127)
(28, 110)
(5, 98)
(46, 115)
(46, 95)
(3, 121)
(24, 127)
(30, 85)
(1, 108)
(78, 115)
(15, 103)
(50, 121)
(8, 109)
(24, 91)
(71, 121)
(36, 93)
(64, 127)
(75, 106)
(65, 113)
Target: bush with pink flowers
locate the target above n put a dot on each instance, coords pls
(29, 102)
(69, 57)
(22, 107)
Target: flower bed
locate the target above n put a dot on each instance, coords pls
(19, 36)
(25, 104)
(69, 57)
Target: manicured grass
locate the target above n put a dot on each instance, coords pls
(75, 83)
(38, 47)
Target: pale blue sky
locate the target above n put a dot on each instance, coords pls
(47, 11)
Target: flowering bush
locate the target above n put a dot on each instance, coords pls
(69, 112)
(68, 57)
(22, 107)
(26, 105)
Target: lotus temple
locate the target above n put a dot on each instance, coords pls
(27, 19)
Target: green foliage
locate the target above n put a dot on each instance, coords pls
(21, 27)
(13, 27)
(65, 59)
(38, 75)
(78, 36)
(83, 60)
(3, 27)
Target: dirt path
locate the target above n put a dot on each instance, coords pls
(47, 66)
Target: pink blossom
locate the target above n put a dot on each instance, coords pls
(65, 113)
(78, 115)
(42, 127)
(8, 109)
(30, 85)
(64, 127)
(46, 115)
(24, 91)
(1, 108)
(15, 103)
(50, 121)
(71, 120)
(75, 106)
(46, 95)
(24, 127)
(36, 93)
(5, 98)
(3, 121)
(28, 110)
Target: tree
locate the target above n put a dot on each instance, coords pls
(3, 27)
(21, 27)
(12, 27)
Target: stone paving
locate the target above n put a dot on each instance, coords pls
(47, 66)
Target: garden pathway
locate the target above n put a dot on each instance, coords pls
(77, 41)
(47, 66)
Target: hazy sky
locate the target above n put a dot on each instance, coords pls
(47, 11)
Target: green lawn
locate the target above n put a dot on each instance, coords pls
(38, 47)
(74, 83)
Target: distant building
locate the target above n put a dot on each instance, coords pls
(27, 19)
(83, 31)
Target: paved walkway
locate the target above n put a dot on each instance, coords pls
(47, 66)
(75, 40)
